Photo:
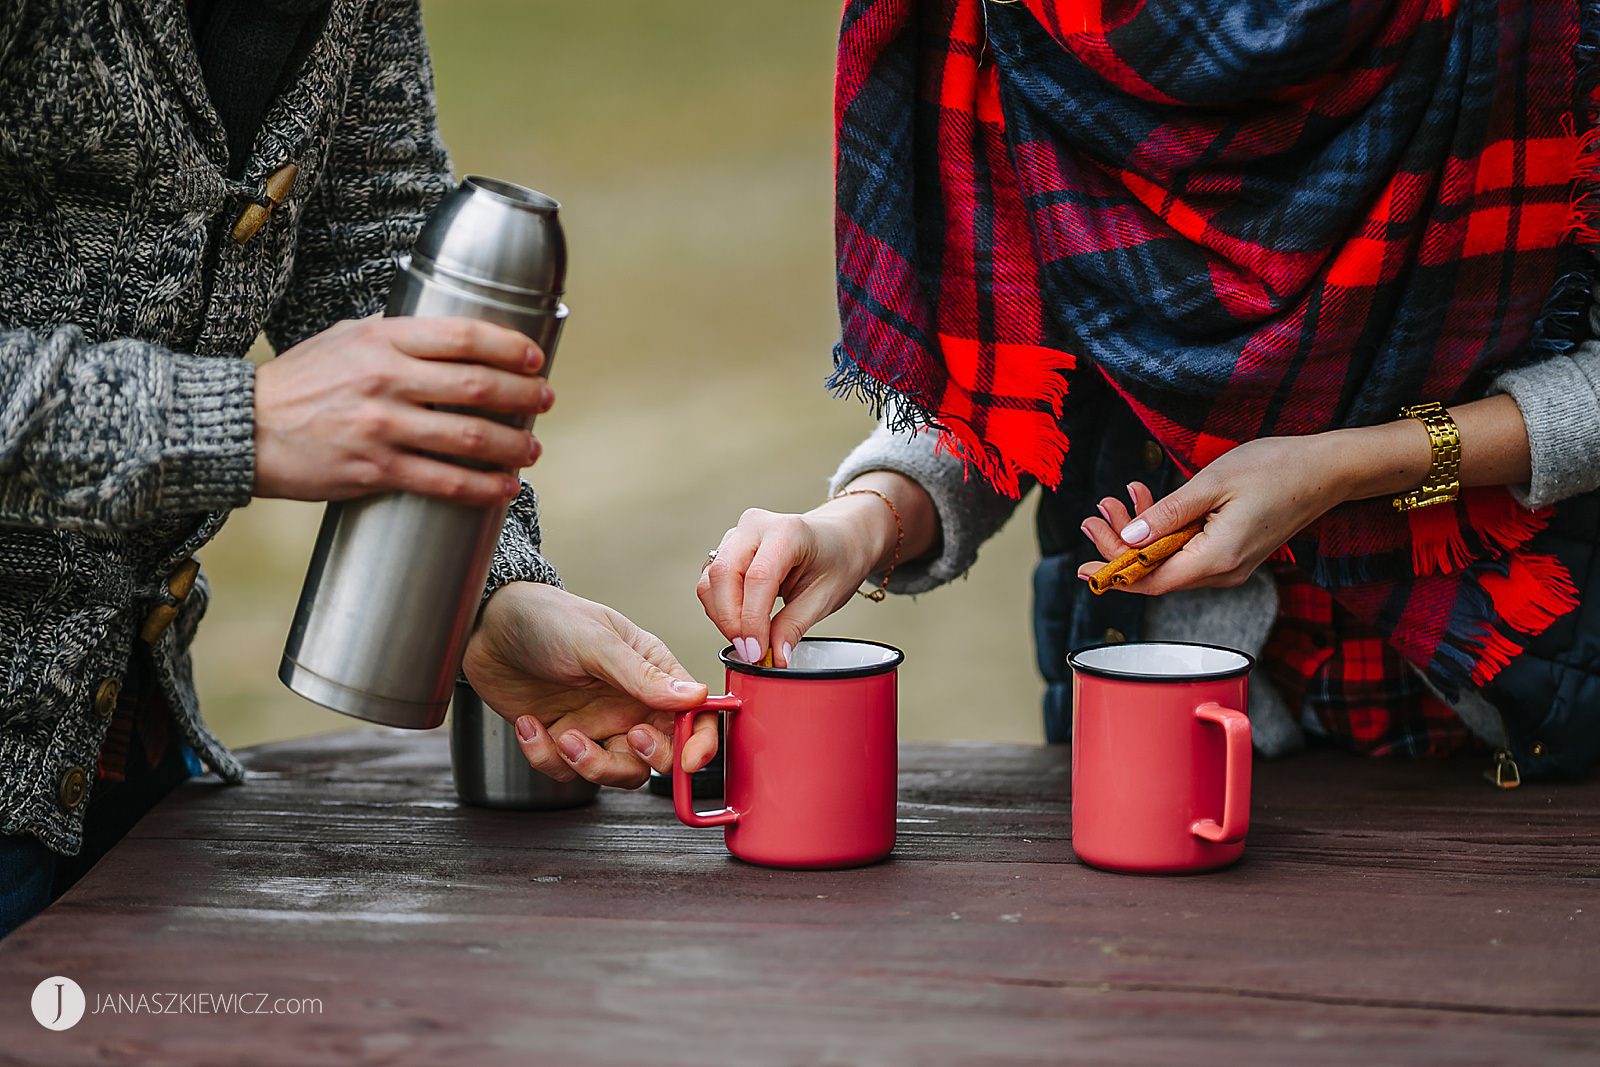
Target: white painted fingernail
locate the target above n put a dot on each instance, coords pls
(1135, 531)
(678, 685)
(788, 654)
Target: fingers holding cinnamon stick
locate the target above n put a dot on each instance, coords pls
(1135, 563)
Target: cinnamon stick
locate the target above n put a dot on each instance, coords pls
(1138, 562)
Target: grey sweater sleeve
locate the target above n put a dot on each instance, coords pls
(970, 510)
(1559, 399)
(119, 433)
(519, 556)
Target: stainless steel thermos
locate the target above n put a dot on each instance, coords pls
(490, 769)
(394, 583)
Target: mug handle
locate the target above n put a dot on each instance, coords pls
(682, 794)
(1235, 777)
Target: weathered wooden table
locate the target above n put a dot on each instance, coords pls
(1385, 913)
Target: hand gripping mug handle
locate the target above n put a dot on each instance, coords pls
(1235, 777)
(682, 787)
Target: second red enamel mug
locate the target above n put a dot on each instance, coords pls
(811, 762)
(1160, 756)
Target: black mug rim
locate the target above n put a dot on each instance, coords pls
(1160, 679)
(889, 666)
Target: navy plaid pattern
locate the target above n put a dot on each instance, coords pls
(1253, 219)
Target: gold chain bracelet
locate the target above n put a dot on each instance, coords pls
(877, 595)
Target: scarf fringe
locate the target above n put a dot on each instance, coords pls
(1472, 649)
(1438, 543)
(897, 411)
(1535, 591)
(1438, 534)
(1495, 653)
(901, 413)
(1500, 522)
(1510, 600)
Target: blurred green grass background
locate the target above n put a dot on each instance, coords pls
(691, 146)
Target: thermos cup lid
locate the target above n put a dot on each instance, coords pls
(497, 234)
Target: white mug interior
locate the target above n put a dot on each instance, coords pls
(824, 654)
(1160, 659)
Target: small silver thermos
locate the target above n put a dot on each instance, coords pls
(490, 769)
(393, 587)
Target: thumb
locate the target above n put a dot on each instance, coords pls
(1168, 515)
(622, 666)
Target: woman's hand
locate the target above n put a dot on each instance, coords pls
(1258, 496)
(589, 692)
(1253, 499)
(815, 562)
(347, 412)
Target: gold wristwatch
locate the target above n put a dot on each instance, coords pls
(1443, 481)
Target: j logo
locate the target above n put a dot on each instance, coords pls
(58, 1003)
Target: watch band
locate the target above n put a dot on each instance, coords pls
(1443, 481)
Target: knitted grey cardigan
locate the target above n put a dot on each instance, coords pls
(126, 408)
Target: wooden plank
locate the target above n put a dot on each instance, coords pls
(1391, 913)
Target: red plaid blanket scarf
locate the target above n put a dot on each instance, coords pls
(1254, 219)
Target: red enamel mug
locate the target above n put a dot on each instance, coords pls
(811, 764)
(1160, 756)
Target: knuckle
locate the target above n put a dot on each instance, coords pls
(751, 516)
(476, 387)
(791, 528)
(373, 421)
(373, 375)
(455, 486)
(456, 337)
(373, 473)
(1165, 512)
(763, 571)
(474, 435)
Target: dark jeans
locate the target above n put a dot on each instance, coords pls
(31, 876)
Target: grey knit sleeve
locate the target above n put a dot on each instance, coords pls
(519, 556)
(387, 168)
(119, 433)
(970, 510)
(1560, 402)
